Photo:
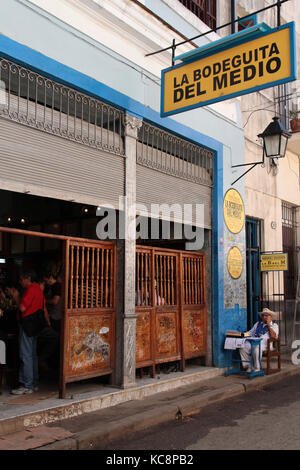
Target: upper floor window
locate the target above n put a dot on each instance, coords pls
(282, 96)
(204, 9)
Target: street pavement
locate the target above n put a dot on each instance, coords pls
(175, 409)
(265, 419)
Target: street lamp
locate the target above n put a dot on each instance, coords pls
(275, 138)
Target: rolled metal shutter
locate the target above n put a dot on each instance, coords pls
(155, 187)
(173, 172)
(45, 164)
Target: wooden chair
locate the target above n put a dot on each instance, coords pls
(273, 351)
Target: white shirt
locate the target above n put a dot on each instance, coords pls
(266, 336)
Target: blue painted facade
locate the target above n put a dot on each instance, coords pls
(65, 55)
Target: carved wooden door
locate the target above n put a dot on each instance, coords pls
(88, 333)
(170, 306)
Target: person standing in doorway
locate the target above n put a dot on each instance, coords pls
(53, 296)
(31, 301)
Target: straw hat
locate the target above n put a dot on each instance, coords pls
(267, 311)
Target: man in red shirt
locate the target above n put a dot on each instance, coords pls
(32, 300)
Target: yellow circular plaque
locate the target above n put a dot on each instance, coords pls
(235, 262)
(234, 211)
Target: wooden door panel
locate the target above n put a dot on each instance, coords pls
(88, 336)
(167, 337)
(143, 337)
(194, 332)
(90, 344)
(170, 305)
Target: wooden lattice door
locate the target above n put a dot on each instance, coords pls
(193, 305)
(88, 336)
(170, 306)
(167, 306)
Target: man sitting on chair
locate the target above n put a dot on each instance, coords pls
(264, 329)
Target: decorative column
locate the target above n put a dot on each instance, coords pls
(132, 124)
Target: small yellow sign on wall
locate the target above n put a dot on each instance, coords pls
(234, 211)
(235, 262)
(274, 262)
(252, 65)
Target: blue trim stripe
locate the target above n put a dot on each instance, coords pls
(217, 256)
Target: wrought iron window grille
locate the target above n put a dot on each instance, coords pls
(289, 215)
(289, 244)
(36, 101)
(172, 155)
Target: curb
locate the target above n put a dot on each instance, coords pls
(190, 406)
(271, 379)
(101, 434)
(67, 408)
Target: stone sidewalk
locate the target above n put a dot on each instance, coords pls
(96, 428)
(18, 413)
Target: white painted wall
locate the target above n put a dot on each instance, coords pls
(267, 187)
(125, 32)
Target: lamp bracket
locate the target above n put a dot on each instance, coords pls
(247, 164)
(249, 169)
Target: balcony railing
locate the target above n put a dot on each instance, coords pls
(204, 9)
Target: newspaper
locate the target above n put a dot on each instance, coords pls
(236, 343)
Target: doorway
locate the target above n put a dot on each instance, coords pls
(170, 306)
(253, 272)
(86, 268)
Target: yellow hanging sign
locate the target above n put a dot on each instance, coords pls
(246, 67)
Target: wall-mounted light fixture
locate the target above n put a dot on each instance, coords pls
(275, 138)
